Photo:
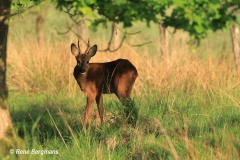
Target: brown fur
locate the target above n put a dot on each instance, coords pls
(96, 79)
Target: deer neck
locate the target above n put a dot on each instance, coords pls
(80, 78)
(82, 81)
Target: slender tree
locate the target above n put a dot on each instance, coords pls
(236, 46)
(8, 138)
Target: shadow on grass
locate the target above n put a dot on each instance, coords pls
(60, 117)
(45, 117)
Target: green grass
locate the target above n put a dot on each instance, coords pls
(194, 125)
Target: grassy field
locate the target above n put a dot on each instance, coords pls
(188, 105)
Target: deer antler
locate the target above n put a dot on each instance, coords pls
(79, 46)
(88, 45)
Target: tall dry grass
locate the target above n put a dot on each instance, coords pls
(48, 68)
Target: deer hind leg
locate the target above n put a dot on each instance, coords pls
(130, 110)
(124, 88)
(99, 101)
(123, 93)
(89, 107)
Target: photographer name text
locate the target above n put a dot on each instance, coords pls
(33, 151)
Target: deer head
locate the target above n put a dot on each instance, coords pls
(83, 58)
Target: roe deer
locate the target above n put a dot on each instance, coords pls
(96, 79)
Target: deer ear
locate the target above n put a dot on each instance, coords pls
(92, 50)
(74, 50)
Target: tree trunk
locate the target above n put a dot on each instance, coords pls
(164, 47)
(116, 37)
(39, 27)
(82, 30)
(236, 47)
(8, 139)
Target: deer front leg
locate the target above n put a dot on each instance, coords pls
(99, 101)
(89, 107)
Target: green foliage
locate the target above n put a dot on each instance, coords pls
(198, 16)
(20, 6)
(125, 11)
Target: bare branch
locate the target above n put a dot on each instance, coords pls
(139, 45)
(133, 33)
(20, 12)
(110, 41)
(120, 45)
(72, 15)
(75, 22)
(68, 30)
(79, 37)
(122, 40)
(114, 50)
(108, 48)
(111, 37)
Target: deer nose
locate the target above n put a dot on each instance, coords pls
(82, 70)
